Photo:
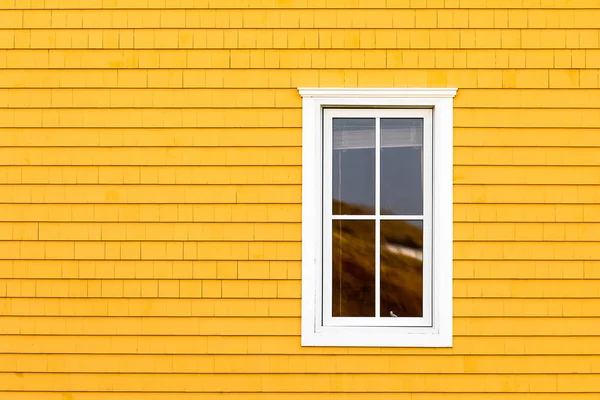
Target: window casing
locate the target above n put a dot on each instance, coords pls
(341, 129)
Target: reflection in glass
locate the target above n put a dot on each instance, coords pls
(401, 166)
(353, 269)
(353, 165)
(401, 260)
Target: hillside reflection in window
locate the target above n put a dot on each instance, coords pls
(353, 268)
(401, 269)
(361, 262)
(401, 261)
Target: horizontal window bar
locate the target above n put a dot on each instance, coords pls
(377, 322)
(380, 217)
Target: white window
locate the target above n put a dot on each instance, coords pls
(377, 217)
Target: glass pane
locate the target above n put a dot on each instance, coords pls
(353, 166)
(353, 269)
(401, 269)
(401, 166)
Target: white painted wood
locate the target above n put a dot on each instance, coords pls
(379, 93)
(381, 217)
(377, 221)
(314, 331)
(428, 182)
(326, 290)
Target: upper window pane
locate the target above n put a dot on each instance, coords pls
(353, 166)
(402, 166)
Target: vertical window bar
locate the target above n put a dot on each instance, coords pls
(377, 220)
(427, 180)
(327, 197)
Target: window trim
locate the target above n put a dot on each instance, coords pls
(441, 102)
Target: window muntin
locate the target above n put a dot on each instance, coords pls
(364, 151)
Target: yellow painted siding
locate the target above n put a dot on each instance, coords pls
(150, 170)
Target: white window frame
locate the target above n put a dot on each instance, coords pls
(377, 114)
(437, 332)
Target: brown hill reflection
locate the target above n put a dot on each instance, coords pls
(354, 267)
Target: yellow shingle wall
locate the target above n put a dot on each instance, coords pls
(150, 170)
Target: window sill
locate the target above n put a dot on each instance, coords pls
(379, 337)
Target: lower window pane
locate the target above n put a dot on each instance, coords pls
(401, 269)
(353, 269)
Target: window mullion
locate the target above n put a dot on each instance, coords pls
(377, 220)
